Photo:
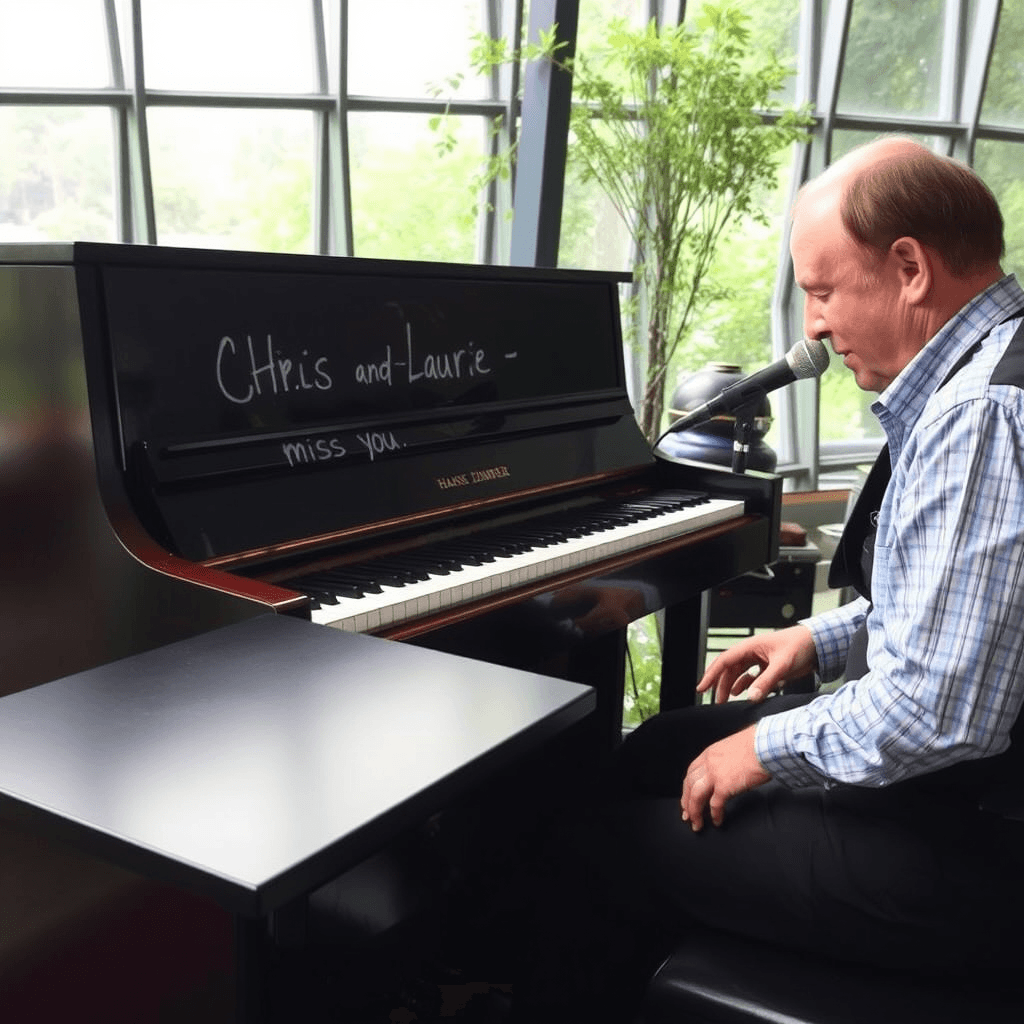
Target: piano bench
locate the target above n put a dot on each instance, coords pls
(722, 979)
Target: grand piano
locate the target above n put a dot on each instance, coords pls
(439, 454)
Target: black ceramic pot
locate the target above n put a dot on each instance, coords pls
(712, 441)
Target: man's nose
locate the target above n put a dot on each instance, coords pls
(814, 323)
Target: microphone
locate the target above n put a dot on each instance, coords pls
(807, 358)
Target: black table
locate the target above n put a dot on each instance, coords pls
(256, 762)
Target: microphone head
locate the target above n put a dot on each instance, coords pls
(808, 358)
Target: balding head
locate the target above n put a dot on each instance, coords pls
(887, 245)
(894, 188)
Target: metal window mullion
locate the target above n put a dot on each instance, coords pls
(824, 76)
(138, 138)
(338, 141)
(830, 71)
(503, 19)
(951, 66)
(64, 97)
(321, 213)
(122, 139)
(543, 141)
(667, 12)
(977, 61)
(794, 451)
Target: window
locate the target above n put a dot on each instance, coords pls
(304, 126)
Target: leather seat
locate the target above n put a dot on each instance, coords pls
(721, 979)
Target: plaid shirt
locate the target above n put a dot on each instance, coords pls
(946, 630)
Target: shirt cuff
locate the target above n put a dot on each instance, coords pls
(775, 740)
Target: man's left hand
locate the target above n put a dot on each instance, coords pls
(723, 770)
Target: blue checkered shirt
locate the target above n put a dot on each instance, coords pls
(946, 629)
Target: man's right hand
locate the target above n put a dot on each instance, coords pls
(760, 664)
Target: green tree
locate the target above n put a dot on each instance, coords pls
(666, 121)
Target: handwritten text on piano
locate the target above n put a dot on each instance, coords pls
(372, 443)
(275, 373)
(246, 372)
(463, 363)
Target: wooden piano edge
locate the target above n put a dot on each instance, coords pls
(285, 601)
(142, 547)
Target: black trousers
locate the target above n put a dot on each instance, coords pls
(909, 876)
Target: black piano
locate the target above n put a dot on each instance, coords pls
(443, 455)
(440, 454)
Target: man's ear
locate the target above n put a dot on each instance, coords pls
(914, 265)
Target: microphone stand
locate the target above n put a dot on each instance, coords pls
(745, 415)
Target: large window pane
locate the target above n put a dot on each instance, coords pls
(595, 15)
(233, 179)
(999, 164)
(893, 58)
(1004, 87)
(774, 27)
(402, 47)
(408, 200)
(55, 44)
(56, 174)
(228, 46)
(593, 235)
(843, 141)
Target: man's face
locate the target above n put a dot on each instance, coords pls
(855, 302)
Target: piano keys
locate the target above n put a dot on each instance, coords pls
(422, 581)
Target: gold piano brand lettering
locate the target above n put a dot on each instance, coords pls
(245, 375)
(479, 476)
(474, 476)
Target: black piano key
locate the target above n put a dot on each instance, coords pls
(406, 570)
(352, 578)
(328, 585)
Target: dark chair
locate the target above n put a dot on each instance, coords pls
(721, 979)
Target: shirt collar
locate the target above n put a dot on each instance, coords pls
(900, 405)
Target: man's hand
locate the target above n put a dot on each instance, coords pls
(723, 770)
(777, 657)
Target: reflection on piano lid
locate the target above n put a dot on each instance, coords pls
(323, 430)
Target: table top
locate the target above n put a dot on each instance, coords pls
(256, 761)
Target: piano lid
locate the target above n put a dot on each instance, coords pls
(254, 400)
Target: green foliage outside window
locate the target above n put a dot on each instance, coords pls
(665, 120)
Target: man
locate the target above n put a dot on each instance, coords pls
(923, 291)
(850, 823)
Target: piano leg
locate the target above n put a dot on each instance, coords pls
(601, 663)
(684, 651)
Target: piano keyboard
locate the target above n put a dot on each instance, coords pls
(384, 591)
